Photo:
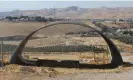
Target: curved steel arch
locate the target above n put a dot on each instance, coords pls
(18, 59)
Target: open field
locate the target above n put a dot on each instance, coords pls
(20, 28)
(118, 25)
(62, 40)
(70, 40)
(51, 36)
(24, 28)
(55, 36)
(18, 72)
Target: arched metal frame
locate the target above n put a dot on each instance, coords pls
(18, 59)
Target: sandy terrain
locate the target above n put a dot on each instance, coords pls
(17, 72)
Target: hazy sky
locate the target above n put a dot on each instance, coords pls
(33, 5)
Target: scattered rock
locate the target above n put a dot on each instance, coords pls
(52, 74)
(27, 69)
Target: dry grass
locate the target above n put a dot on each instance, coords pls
(18, 28)
(25, 28)
(131, 59)
(53, 72)
(12, 71)
(41, 70)
(122, 68)
(83, 57)
(55, 34)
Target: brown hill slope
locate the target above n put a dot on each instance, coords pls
(76, 12)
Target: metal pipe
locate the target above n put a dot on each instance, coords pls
(1, 53)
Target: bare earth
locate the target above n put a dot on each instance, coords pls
(101, 76)
(13, 72)
(74, 74)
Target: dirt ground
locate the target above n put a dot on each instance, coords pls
(18, 72)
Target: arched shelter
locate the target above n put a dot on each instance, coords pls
(18, 59)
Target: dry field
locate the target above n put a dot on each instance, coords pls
(19, 72)
(62, 40)
(18, 28)
(24, 28)
(51, 35)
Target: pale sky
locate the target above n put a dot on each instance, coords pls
(35, 5)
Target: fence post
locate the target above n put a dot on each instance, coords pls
(131, 34)
(132, 40)
(1, 53)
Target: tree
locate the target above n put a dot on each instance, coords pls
(50, 19)
(15, 17)
(38, 18)
(9, 18)
(44, 19)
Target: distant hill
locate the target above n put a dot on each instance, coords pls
(76, 12)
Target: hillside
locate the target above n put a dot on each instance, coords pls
(24, 28)
(76, 12)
